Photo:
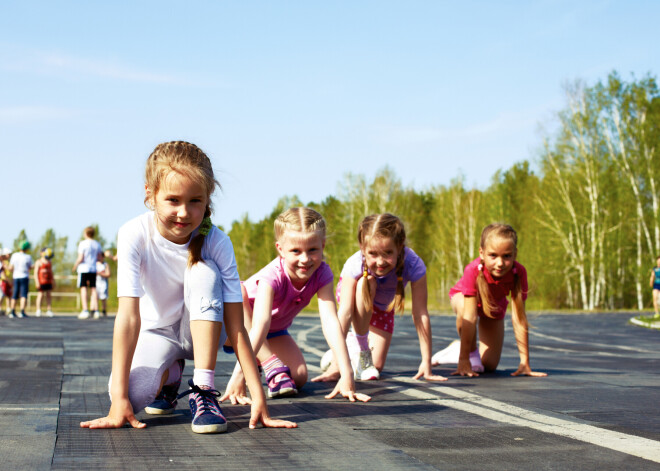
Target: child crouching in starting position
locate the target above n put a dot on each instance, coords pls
(179, 296)
(276, 294)
(370, 289)
(480, 297)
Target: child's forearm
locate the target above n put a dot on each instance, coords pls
(522, 339)
(335, 337)
(423, 326)
(126, 332)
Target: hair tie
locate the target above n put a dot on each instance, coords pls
(515, 270)
(205, 226)
(399, 278)
(365, 273)
(480, 267)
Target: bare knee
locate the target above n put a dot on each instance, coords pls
(299, 376)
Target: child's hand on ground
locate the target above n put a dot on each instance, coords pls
(346, 388)
(330, 375)
(426, 373)
(464, 369)
(121, 412)
(259, 413)
(235, 392)
(526, 370)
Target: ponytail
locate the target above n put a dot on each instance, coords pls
(483, 293)
(197, 242)
(517, 298)
(366, 292)
(399, 297)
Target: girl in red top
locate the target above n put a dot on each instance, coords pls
(44, 280)
(480, 298)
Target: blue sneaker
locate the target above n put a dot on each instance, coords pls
(206, 414)
(166, 401)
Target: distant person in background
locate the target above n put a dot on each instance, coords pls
(89, 252)
(44, 280)
(102, 278)
(5, 279)
(655, 285)
(20, 264)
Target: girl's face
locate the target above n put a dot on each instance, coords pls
(380, 254)
(180, 204)
(302, 253)
(498, 256)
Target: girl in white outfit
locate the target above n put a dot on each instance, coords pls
(179, 297)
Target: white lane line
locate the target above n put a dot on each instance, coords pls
(23, 409)
(579, 352)
(502, 412)
(590, 344)
(302, 343)
(506, 413)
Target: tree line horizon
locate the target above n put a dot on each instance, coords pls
(587, 220)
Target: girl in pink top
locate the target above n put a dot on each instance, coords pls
(479, 297)
(276, 294)
(370, 289)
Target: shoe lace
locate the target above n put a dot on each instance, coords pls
(206, 398)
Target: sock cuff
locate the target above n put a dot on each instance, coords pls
(203, 377)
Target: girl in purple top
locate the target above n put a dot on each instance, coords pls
(480, 297)
(371, 288)
(276, 294)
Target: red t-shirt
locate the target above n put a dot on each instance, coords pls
(499, 289)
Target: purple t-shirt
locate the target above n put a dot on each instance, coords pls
(288, 301)
(413, 270)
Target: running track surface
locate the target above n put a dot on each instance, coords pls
(597, 409)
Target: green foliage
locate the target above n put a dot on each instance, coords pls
(587, 223)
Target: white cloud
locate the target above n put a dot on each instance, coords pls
(18, 114)
(503, 124)
(56, 63)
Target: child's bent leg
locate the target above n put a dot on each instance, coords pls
(491, 339)
(286, 349)
(361, 315)
(155, 353)
(203, 299)
(380, 341)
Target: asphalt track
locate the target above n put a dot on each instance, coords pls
(597, 409)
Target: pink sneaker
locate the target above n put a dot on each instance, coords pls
(280, 382)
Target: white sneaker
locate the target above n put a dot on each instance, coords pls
(326, 361)
(365, 369)
(475, 361)
(83, 315)
(448, 356)
(49, 313)
(97, 315)
(38, 313)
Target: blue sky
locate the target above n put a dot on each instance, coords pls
(286, 97)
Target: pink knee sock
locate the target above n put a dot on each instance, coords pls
(272, 363)
(363, 341)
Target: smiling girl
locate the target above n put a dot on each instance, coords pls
(275, 295)
(480, 298)
(371, 288)
(179, 296)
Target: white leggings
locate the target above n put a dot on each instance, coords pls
(158, 349)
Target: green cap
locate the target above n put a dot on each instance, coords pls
(25, 245)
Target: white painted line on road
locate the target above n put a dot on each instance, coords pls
(592, 344)
(23, 409)
(506, 413)
(509, 414)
